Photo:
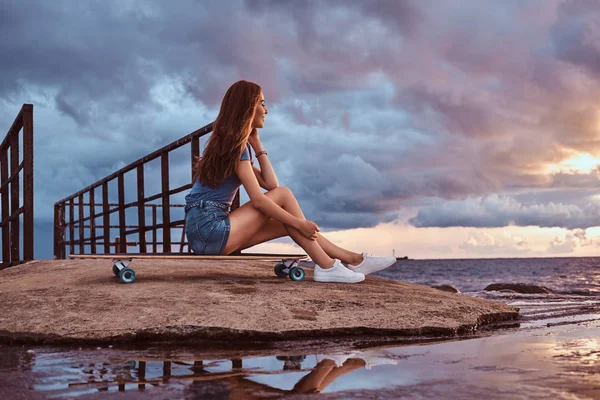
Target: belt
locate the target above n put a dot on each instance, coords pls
(202, 203)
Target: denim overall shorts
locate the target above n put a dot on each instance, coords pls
(207, 226)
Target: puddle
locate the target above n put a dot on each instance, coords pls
(557, 362)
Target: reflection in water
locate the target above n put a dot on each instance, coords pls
(238, 381)
(556, 363)
(16, 359)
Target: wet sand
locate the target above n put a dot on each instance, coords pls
(560, 362)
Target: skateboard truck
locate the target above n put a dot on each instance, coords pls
(122, 271)
(292, 268)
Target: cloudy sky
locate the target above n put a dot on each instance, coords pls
(439, 129)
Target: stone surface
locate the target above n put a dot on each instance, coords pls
(182, 300)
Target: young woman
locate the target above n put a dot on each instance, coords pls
(226, 163)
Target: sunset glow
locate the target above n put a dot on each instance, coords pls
(583, 163)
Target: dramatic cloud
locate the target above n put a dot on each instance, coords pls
(497, 211)
(375, 106)
(570, 242)
(482, 243)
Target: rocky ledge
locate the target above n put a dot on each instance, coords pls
(70, 301)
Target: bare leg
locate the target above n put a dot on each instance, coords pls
(273, 229)
(349, 365)
(247, 221)
(313, 382)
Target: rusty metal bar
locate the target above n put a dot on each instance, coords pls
(166, 210)
(28, 181)
(141, 208)
(14, 175)
(92, 221)
(14, 128)
(106, 216)
(154, 228)
(14, 200)
(59, 232)
(132, 204)
(137, 228)
(71, 226)
(121, 195)
(182, 242)
(5, 205)
(79, 218)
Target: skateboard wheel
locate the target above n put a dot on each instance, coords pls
(116, 270)
(127, 275)
(280, 270)
(296, 274)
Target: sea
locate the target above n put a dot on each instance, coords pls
(551, 352)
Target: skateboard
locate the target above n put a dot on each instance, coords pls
(289, 265)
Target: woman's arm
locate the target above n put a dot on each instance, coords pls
(260, 179)
(267, 174)
(261, 202)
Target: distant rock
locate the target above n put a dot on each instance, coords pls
(518, 288)
(446, 288)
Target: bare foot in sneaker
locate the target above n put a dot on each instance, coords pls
(371, 264)
(337, 273)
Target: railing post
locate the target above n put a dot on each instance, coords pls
(27, 182)
(121, 195)
(141, 209)
(166, 207)
(81, 218)
(105, 218)
(14, 199)
(59, 231)
(71, 225)
(5, 204)
(92, 221)
(154, 244)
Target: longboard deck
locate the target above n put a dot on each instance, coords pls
(187, 257)
(288, 264)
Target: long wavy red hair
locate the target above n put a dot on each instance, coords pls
(230, 134)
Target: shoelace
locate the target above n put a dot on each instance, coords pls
(372, 256)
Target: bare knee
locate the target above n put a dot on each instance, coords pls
(280, 194)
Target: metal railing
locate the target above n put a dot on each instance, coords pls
(84, 202)
(10, 190)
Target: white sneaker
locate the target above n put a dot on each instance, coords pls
(337, 273)
(374, 358)
(372, 264)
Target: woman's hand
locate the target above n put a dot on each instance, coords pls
(254, 139)
(309, 229)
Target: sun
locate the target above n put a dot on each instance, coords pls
(583, 163)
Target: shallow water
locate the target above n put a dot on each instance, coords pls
(557, 363)
(561, 275)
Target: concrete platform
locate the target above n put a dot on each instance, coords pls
(69, 301)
